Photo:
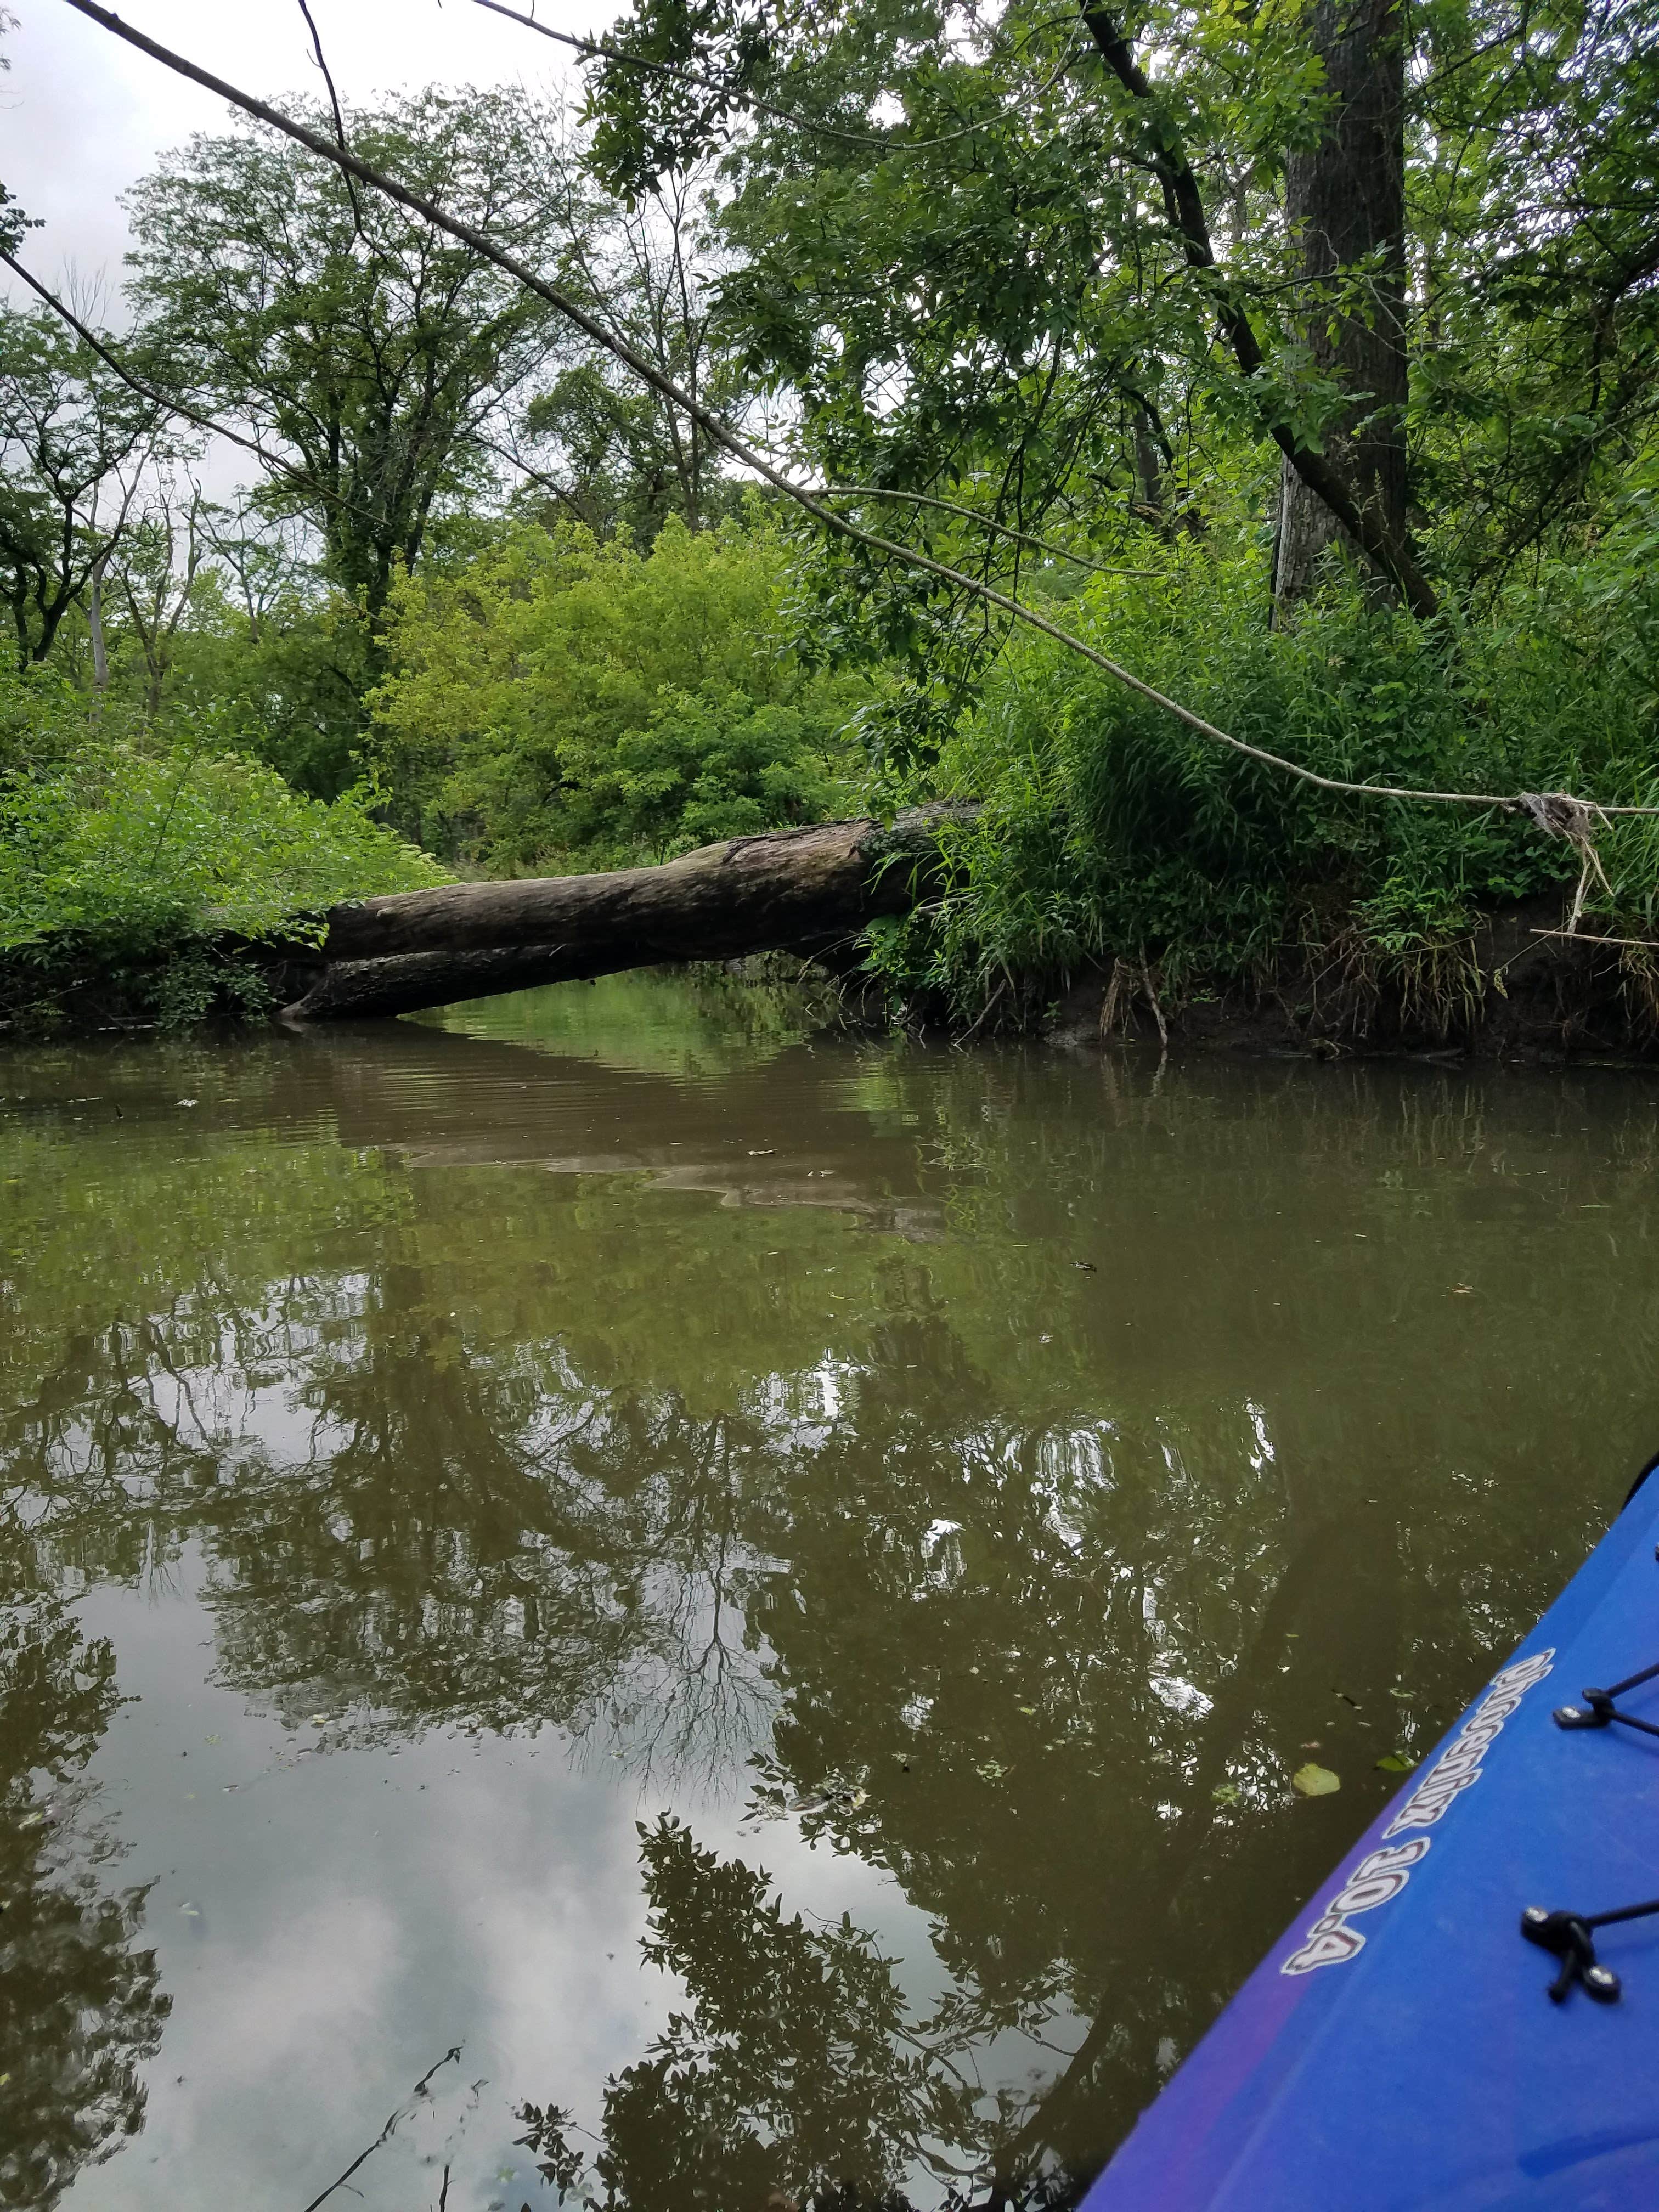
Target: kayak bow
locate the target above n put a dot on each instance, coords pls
(1404, 2044)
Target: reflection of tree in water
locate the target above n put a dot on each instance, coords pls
(1009, 1661)
(798, 2071)
(79, 2005)
(1063, 1643)
(1013, 1641)
(1016, 1667)
(493, 1543)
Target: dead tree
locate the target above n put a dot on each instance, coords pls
(810, 891)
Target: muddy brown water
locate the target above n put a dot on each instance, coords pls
(605, 1593)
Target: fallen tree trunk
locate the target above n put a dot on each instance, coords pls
(807, 890)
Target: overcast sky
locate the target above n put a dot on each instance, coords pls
(82, 115)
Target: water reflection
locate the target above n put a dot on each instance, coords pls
(81, 2008)
(987, 1475)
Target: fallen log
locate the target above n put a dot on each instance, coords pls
(808, 891)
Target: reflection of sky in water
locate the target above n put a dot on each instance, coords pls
(1003, 1470)
(328, 1930)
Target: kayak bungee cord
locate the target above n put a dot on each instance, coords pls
(1599, 1710)
(1568, 1935)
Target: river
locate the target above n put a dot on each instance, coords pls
(604, 1591)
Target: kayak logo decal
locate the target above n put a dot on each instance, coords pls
(1331, 1941)
(1462, 1765)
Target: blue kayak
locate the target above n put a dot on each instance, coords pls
(1466, 2015)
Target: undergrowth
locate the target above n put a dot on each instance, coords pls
(1110, 832)
(154, 864)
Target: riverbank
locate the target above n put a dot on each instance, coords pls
(1517, 989)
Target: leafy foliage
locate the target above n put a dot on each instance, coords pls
(120, 849)
(68, 431)
(367, 350)
(558, 698)
(1110, 830)
(117, 847)
(786, 2079)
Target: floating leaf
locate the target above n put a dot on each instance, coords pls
(1314, 1781)
(1396, 1762)
(1226, 1793)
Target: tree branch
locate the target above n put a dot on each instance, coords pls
(1184, 203)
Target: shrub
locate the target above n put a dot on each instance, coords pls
(141, 865)
(1109, 829)
(558, 701)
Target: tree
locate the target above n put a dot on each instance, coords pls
(1020, 282)
(1534, 233)
(556, 695)
(626, 456)
(73, 439)
(13, 220)
(1086, 267)
(369, 353)
(1344, 203)
(155, 576)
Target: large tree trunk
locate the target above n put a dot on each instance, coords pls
(802, 891)
(1346, 198)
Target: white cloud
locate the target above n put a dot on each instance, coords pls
(82, 115)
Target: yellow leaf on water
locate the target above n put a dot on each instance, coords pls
(1315, 1781)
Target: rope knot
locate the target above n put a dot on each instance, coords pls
(1559, 814)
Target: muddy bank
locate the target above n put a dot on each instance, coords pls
(1517, 989)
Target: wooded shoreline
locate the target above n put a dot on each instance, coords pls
(1520, 986)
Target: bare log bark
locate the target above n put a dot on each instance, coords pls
(808, 891)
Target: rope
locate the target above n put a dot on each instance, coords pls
(1599, 1710)
(1567, 1937)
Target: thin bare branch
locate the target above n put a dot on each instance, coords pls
(984, 522)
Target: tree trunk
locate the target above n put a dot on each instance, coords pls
(802, 890)
(95, 627)
(1346, 198)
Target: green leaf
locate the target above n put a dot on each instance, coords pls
(1315, 1780)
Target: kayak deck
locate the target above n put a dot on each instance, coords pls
(1398, 2047)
